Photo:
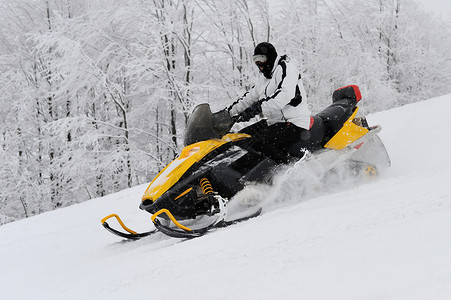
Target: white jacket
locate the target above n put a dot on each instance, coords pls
(276, 95)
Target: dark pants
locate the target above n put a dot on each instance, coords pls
(274, 141)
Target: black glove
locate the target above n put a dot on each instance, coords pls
(251, 111)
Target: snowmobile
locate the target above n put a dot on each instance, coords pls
(190, 196)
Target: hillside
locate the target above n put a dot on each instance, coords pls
(385, 239)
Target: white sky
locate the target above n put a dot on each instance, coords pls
(440, 7)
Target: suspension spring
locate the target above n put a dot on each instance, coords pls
(206, 186)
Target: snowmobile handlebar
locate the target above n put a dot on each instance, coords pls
(235, 119)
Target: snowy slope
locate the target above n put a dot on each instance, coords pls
(385, 239)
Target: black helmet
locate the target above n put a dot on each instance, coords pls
(264, 57)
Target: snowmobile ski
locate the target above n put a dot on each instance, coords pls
(193, 233)
(132, 235)
(172, 232)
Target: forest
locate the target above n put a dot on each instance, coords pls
(95, 94)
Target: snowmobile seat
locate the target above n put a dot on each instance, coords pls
(311, 139)
(344, 101)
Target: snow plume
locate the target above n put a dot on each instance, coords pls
(306, 179)
(299, 181)
(291, 184)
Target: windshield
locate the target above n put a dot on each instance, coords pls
(203, 125)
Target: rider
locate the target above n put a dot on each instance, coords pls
(279, 97)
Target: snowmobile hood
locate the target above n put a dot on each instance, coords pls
(188, 157)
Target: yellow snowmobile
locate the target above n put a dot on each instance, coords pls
(189, 196)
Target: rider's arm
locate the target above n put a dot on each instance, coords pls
(286, 76)
(244, 102)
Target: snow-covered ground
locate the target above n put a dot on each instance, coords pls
(385, 239)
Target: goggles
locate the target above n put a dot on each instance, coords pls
(259, 59)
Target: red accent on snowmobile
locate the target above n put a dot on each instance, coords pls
(358, 146)
(352, 91)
